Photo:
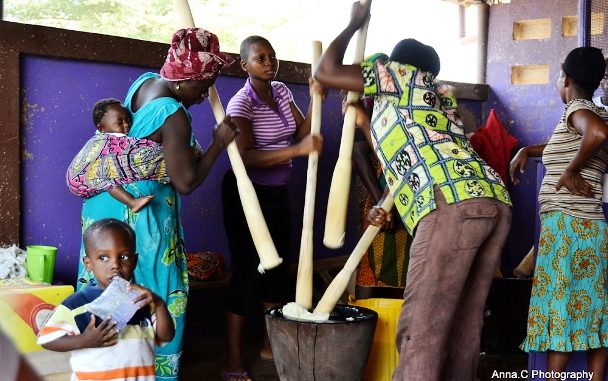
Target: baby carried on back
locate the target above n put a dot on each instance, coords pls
(111, 159)
(107, 161)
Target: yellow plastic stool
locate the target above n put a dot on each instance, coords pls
(383, 356)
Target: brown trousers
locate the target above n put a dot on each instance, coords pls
(453, 259)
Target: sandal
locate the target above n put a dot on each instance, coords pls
(236, 375)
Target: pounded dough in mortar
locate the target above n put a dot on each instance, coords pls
(295, 311)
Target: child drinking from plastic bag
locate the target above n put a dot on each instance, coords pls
(97, 346)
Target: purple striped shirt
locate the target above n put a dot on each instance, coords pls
(271, 128)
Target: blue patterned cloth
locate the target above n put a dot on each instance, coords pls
(568, 310)
(161, 265)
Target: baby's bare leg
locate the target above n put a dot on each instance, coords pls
(134, 204)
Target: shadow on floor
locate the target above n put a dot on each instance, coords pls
(205, 340)
(205, 361)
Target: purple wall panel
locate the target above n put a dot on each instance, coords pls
(57, 96)
(529, 112)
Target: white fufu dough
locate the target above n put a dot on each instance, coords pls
(295, 311)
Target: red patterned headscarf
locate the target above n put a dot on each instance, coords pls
(194, 54)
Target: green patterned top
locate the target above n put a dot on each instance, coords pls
(420, 141)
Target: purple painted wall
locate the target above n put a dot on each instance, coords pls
(529, 112)
(57, 96)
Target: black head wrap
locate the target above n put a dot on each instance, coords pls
(586, 66)
(415, 53)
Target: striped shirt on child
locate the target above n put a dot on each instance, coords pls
(131, 358)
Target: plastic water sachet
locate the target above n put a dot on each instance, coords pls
(117, 302)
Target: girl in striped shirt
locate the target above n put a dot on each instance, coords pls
(272, 132)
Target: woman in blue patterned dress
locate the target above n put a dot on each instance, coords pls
(159, 106)
(568, 307)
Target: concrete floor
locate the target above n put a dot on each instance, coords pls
(205, 350)
(204, 360)
(205, 347)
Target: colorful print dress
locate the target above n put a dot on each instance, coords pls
(161, 263)
(385, 263)
(568, 307)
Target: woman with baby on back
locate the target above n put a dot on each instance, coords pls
(159, 108)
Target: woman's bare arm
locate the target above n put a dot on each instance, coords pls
(254, 158)
(520, 160)
(331, 71)
(185, 170)
(594, 134)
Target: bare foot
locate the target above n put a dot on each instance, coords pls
(139, 203)
(266, 354)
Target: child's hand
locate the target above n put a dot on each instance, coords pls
(146, 296)
(165, 330)
(574, 182)
(310, 143)
(103, 336)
